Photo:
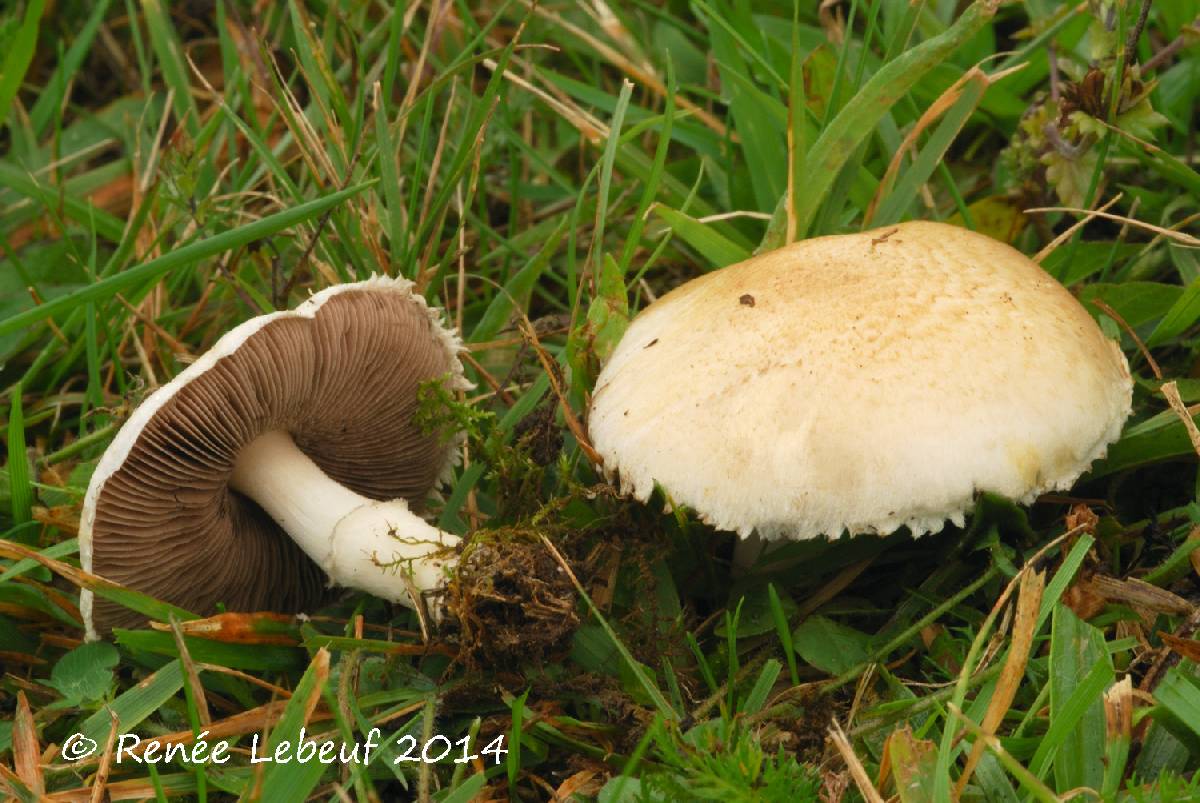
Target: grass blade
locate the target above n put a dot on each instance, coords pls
(170, 59)
(854, 123)
(20, 55)
(133, 706)
(294, 780)
(18, 464)
(711, 245)
(187, 255)
(904, 194)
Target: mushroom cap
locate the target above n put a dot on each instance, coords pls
(860, 383)
(340, 373)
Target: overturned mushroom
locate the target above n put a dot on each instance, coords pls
(860, 383)
(283, 460)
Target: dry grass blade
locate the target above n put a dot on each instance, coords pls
(177, 348)
(150, 172)
(193, 677)
(436, 16)
(79, 577)
(435, 163)
(1170, 234)
(1029, 601)
(245, 45)
(1194, 555)
(320, 666)
(1140, 594)
(936, 109)
(279, 691)
(643, 75)
(1053, 245)
(101, 780)
(913, 763)
(11, 784)
(64, 516)
(240, 628)
(324, 75)
(26, 752)
(1118, 709)
(319, 669)
(837, 585)
(1154, 675)
(136, 789)
(592, 129)
(1185, 647)
(256, 719)
(1171, 391)
(857, 771)
(309, 143)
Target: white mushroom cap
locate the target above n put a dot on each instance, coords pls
(860, 383)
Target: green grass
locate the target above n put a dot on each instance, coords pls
(166, 173)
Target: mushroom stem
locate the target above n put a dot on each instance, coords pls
(746, 552)
(357, 541)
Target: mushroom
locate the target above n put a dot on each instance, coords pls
(860, 383)
(287, 454)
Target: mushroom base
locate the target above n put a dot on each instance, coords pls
(510, 603)
(379, 547)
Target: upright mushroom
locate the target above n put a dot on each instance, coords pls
(860, 383)
(281, 461)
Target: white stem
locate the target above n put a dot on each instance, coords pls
(359, 542)
(746, 552)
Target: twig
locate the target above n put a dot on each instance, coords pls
(1175, 45)
(1131, 41)
(1052, 59)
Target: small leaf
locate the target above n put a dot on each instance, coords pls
(608, 314)
(997, 216)
(829, 646)
(86, 672)
(1069, 176)
(620, 788)
(1141, 120)
(913, 763)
